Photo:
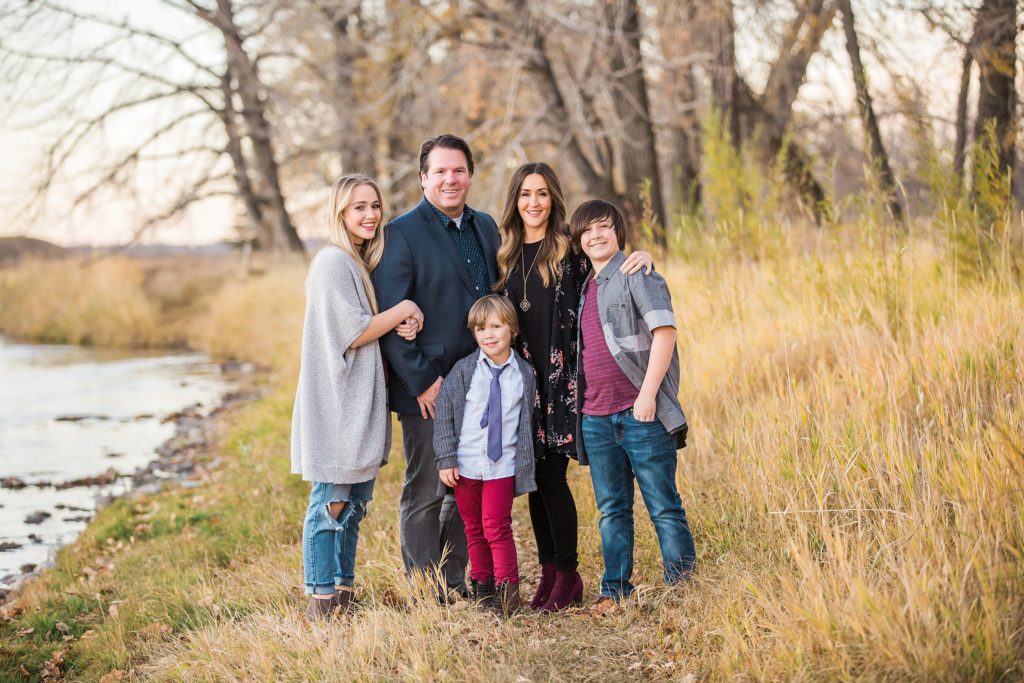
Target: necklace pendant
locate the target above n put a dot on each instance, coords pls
(524, 305)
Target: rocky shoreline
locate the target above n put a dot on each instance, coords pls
(177, 462)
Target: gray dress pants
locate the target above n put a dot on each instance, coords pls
(429, 522)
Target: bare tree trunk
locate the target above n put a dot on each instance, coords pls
(241, 168)
(596, 182)
(994, 36)
(715, 33)
(632, 105)
(788, 72)
(243, 68)
(745, 113)
(960, 149)
(356, 154)
(682, 151)
(879, 156)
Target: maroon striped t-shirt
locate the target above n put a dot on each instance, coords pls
(608, 390)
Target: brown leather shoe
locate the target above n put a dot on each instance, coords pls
(506, 600)
(329, 608)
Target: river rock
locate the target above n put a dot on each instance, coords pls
(37, 517)
(102, 479)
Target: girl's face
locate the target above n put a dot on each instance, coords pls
(494, 338)
(362, 215)
(535, 201)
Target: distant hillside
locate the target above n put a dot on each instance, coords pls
(15, 248)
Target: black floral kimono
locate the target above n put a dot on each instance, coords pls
(557, 395)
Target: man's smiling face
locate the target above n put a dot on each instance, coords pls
(447, 180)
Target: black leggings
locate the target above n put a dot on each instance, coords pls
(553, 514)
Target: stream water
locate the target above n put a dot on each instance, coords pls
(69, 413)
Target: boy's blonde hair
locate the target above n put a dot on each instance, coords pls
(495, 304)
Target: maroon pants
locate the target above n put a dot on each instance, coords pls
(486, 509)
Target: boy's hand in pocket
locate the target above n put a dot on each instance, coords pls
(644, 408)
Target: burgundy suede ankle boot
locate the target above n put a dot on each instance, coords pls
(544, 586)
(567, 592)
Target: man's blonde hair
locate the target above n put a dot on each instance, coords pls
(495, 304)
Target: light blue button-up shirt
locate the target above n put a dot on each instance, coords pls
(472, 453)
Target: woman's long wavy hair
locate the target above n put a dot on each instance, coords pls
(368, 254)
(556, 240)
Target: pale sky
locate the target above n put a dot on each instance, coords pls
(828, 89)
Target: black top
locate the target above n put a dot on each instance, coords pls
(556, 428)
(535, 322)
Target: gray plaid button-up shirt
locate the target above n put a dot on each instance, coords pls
(630, 307)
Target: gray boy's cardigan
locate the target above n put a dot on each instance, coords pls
(451, 405)
(341, 428)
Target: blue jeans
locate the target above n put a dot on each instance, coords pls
(329, 544)
(621, 448)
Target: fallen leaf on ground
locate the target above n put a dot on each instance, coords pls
(26, 631)
(53, 669)
(114, 675)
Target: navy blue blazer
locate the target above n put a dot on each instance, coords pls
(420, 263)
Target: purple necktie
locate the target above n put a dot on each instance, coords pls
(493, 408)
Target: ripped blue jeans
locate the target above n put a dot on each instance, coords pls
(329, 544)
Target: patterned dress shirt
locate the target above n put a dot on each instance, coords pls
(467, 244)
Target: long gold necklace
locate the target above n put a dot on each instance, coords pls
(525, 303)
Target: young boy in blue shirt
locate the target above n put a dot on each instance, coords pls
(630, 421)
(484, 445)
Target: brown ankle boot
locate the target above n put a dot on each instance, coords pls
(506, 599)
(321, 609)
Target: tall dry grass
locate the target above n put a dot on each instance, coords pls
(200, 303)
(78, 301)
(258, 319)
(854, 481)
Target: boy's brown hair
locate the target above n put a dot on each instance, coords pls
(595, 210)
(497, 304)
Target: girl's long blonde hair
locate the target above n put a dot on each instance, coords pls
(556, 240)
(369, 253)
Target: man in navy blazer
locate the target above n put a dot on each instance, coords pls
(442, 255)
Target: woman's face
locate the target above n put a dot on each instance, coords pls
(535, 201)
(362, 215)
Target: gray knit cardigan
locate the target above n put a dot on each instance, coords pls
(451, 405)
(341, 429)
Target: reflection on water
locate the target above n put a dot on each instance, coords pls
(68, 413)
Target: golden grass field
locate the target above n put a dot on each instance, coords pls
(854, 480)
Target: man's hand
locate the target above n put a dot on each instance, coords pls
(645, 408)
(449, 476)
(428, 398)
